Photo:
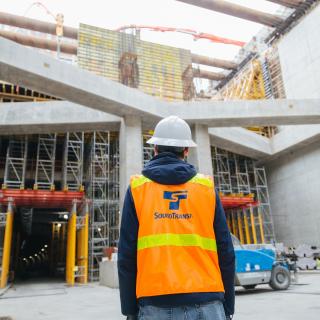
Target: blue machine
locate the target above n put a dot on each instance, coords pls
(256, 265)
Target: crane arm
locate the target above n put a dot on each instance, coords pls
(195, 34)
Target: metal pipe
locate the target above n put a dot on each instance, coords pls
(213, 62)
(36, 42)
(36, 25)
(198, 73)
(288, 3)
(7, 247)
(237, 11)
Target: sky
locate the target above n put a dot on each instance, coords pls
(170, 13)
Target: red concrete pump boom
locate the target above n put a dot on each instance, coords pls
(195, 34)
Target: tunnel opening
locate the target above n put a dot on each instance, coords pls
(39, 244)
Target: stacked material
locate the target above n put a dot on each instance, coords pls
(306, 256)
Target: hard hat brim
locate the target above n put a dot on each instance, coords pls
(171, 142)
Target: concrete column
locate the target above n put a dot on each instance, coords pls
(130, 151)
(200, 156)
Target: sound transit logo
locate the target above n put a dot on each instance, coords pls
(176, 197)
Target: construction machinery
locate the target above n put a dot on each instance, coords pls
(260, 264)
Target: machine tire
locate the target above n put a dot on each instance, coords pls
(280, 278)
(250, 286)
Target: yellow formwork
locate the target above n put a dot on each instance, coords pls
(7, 247)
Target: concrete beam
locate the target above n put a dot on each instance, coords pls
(29, 68)
(205, 74)
(37, 42)
(53, 116)
(237, 11)
(288, 3)
(36, 25)
(293, 138)
(244, 113)
(213, 62)
(240, 141)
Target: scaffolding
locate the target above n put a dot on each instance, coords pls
(221, 169)
(73, 161)
(113, 190)
(264, 209)
(16, 162)
(98, 194)
(45, 163)
(148, 150)
(235, 175)
(14, 93)
(251, 83)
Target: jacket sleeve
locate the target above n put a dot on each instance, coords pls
(127, 256)
(226, 256)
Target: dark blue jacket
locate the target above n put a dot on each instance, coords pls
(167, 169)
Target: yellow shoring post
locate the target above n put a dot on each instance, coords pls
(234, 226)
(83, 247)
(246, 226)
(61, 242)
(7, 247)
(51, 255)
(261, 226)
(253, 226)
(240, 227)
(71, 246)
(228, 221)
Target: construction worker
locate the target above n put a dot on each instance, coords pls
(176, 259)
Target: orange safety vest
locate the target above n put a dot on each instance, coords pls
(177, 251)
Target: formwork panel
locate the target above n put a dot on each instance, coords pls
(160, 67)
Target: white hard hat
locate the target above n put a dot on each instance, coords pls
(172, 131)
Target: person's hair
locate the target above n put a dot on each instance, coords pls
(178, 151)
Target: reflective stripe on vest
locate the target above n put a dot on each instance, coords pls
(171, 239)
(176, 249)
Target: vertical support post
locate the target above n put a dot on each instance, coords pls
(131, 150)
(200, 156)
(71, 246)
(240, 227)
(234, 226)
(228, 222)
(261, 227)
(246, 226)
(7, 247)
(82, 244)
(253, 227)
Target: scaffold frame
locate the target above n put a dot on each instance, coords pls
(73, 161)
(45, 162)
(16, 162)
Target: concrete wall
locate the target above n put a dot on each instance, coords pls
(294, 186)
(299, 53)
(294, 179)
